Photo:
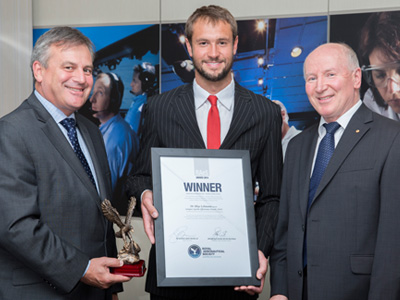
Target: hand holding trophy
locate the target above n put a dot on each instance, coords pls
(129, 254)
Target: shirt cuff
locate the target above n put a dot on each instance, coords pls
(87, 268)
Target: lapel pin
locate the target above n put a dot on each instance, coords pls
(358, 130)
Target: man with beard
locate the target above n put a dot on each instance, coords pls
(179, 119)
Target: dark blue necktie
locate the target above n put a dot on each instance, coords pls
(325, 152)
(69, 125)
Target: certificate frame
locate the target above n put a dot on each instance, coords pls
(202, 273)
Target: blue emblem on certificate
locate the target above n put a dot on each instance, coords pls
(194, 251)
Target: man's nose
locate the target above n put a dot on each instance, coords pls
(213, 50)
(320, 84)
(80, 76)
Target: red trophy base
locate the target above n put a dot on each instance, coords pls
(135, 270)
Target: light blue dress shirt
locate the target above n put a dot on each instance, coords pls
(58, 116)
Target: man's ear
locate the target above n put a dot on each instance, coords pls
(235, 44)
(357, 78)
(38, 69)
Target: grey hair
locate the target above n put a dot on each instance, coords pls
(61, 36)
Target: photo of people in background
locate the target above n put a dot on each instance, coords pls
(122, 143)
(288, 132)
(376, 39)
(143, 85)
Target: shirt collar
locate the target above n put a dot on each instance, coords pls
(55, 112)
(343, 120)
(225, 96)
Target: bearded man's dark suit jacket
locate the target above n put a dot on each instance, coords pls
(353, 224)
(51, 222)
(170, 122)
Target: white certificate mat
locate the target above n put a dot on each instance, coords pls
(205, 234)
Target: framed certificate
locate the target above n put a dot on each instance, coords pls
(205, 232)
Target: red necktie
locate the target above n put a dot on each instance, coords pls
(213, 125)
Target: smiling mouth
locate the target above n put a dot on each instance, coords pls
(213, 63)
(75, 89)
(324, 98)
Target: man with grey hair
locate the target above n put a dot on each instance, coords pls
(54, 239)
(337, 232)
(288, 132)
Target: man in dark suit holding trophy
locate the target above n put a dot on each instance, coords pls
(54, 239)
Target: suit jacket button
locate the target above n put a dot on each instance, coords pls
(303, 227)
(300, 273)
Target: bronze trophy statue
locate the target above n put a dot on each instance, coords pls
(129, 254)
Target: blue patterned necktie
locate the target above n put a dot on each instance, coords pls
(69, 125)
(325, 152)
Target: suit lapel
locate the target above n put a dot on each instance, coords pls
(186, 114)
(243, 111)
(355, 130)
(306, 159)
(60, 143)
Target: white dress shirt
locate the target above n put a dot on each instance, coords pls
(225, 106)
(343, 122)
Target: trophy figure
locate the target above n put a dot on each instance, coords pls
(129, 254)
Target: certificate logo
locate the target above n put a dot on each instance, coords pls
(194, 251)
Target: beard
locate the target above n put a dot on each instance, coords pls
(213, 77)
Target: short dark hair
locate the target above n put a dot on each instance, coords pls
(382, 31)
(62, 36)
(212, 13)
